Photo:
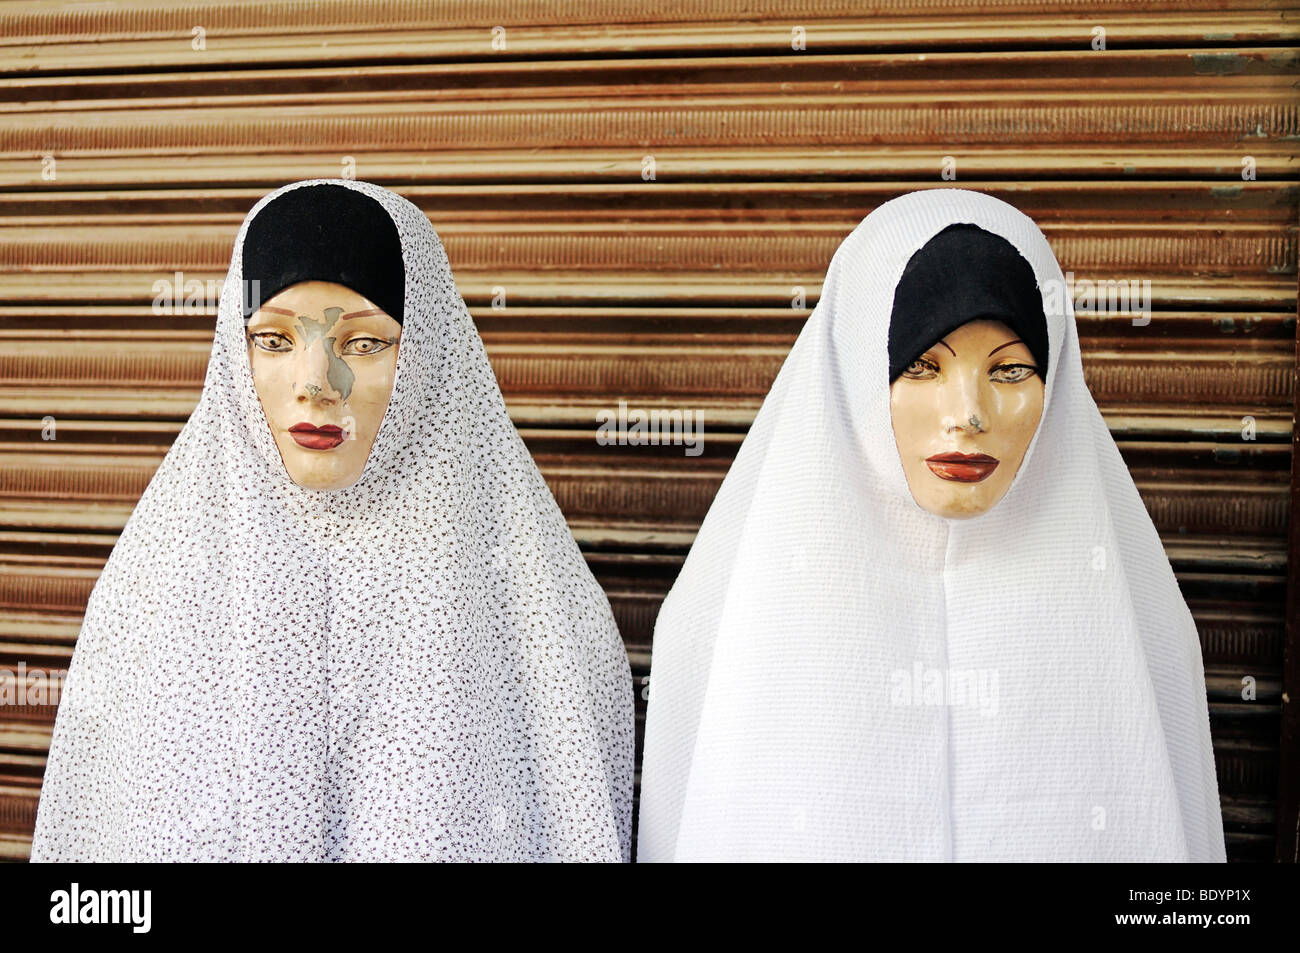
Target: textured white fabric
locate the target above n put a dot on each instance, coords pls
(418, 667)
(776, 729)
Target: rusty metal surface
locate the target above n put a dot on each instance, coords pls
(1288, 804)
(684, 291)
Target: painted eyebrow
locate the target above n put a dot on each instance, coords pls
(1001, 346)
(948, 346)
(293, 314)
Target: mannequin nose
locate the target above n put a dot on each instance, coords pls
(313, 371)
(967, 409)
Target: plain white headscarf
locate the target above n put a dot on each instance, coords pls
(798, 700)
(418, 667)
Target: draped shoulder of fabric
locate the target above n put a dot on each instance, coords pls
(839, 674)
(417, 667)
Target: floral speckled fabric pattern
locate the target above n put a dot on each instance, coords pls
(419, 667)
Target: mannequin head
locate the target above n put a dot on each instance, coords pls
(323, 358)
(963, 415)
(968, 355)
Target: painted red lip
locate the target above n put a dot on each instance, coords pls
(962, 467)
(316, 438)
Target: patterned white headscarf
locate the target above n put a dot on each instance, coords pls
(841, 675)
(418, 667)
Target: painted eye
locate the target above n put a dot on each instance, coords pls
(366, 345)
(271, 341)
(921, 370)
(1012, 373)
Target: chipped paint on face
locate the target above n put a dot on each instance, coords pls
(339, 374)
(346, 386)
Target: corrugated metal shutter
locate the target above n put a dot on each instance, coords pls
(135, 136)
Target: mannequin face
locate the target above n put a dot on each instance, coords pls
(963, 414)
(323, 360)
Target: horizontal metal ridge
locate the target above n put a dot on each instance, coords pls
(164, 188)
(28, 21)
(1118, 252)
(1229, 118)
(247, 41)
(791, 73)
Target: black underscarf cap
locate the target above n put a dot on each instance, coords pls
(324, 233)
(964, 273)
